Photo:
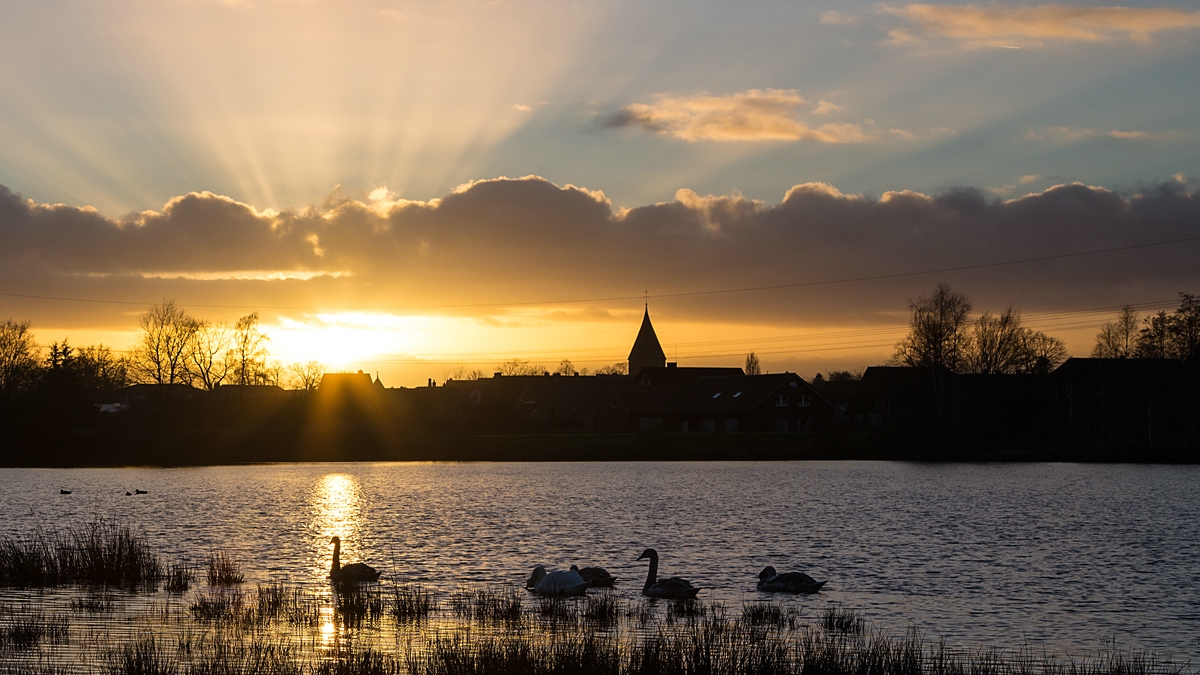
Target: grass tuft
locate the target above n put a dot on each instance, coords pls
(222, 570)
(100, 553)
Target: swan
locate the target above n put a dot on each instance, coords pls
(352, 573)
(556, 583)
(673, 588)
(788, 582)
(598, 577)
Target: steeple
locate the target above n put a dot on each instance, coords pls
(646, 352)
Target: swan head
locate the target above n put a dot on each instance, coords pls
(574, 568)
(336, 540)
(648, 553)
(539, 573)
(767, 573)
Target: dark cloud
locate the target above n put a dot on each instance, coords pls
(512, 241)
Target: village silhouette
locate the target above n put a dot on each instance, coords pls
(1126, 403)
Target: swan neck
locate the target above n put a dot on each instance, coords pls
(337, 558)
(652, 575)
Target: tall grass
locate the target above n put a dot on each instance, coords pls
(25, 631)
(487, 605)
(411, 604)
(100, 552)
(220, 569)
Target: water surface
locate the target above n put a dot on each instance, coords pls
(1072, 557)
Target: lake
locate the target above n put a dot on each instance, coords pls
(1066, 556)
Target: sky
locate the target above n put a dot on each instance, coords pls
(416, 187)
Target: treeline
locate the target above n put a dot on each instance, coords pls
(173, 347)
(1159, 336)
(942, 334)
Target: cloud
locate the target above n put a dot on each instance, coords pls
(1029, 178)
(1072, 134)
(522, 107)
(1005, 26)
(825, 107)
(509, 241)
(836, 18)
(753, 115)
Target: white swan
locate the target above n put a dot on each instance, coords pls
(673, 588)
(353, 573)
(556, 583)
(788, 582)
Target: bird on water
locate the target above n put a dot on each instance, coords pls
(598, 577)
(789, 582)
(556, 583)
(673, 588)
(352, 573)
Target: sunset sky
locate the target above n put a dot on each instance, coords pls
(409, 186)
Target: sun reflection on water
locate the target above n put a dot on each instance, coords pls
(337, 511)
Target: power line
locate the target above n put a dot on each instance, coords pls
(681, 294)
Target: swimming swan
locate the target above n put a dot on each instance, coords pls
(673, 588)
(788, 582)
(598, 577)
(556, 583)
(353, 573)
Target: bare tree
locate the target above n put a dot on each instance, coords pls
(565, 368)
(18, 356)
(619, 368)
(461, 372)
(1118, 339)
(307, 375)
(997, 343)
(938, 334)
(514, 367)
(753, 367)
(208, 355)
(160, 356)
(249, 351)
(1041, 353)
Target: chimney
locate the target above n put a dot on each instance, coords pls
(671, 364)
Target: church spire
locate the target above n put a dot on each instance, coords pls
(646, 352)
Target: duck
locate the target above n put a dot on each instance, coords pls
(598, 577)
(64, 492)
(140, 492)
(352, 573)
(556, 583)
(789, 582)
(673, 588)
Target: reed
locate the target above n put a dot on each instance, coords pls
(601, 611)
(838, 619)
(770, 614)
(222, 570)
(357, 605)
(179, 579)
(94, 603)
(100, 552)
(146, 655)
(487, 605)
(22, 632)
(411, 604)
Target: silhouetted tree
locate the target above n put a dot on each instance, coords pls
(514, 367)
(1001, 345)
(18, 357)
(307, 375)
(938, 333)
(619, 368)
(208, 355)
(565, 368)
(753, 367)
(1172, 336)
(249, 352)
(1118, 339)
(160, 356)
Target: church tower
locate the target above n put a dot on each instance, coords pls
(646, 352)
